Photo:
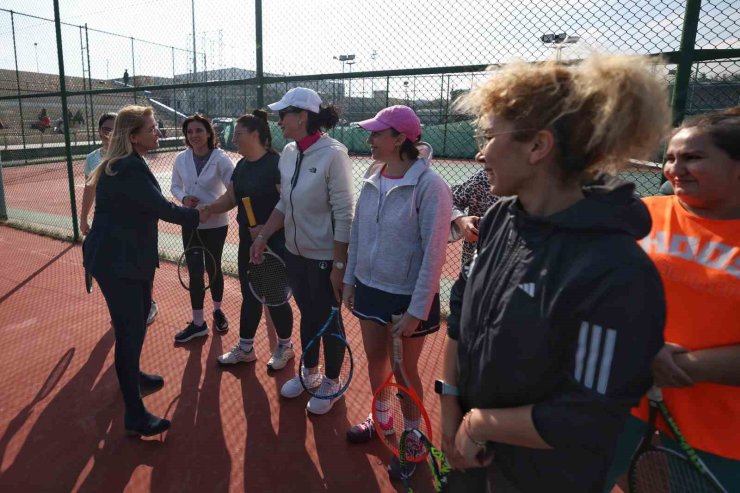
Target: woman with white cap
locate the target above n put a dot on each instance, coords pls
(315, 208)
(396, 254)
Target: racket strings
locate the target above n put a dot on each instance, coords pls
(336, 354)
(403, 414)
(201, 255)
(660, 471)
(269, 281)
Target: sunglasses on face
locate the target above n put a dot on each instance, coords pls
(288, 110)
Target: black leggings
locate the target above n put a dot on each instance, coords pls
(128, 302)
(251, 312)
(213, 241)
(309, 279)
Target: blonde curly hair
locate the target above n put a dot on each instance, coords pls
(601, 111)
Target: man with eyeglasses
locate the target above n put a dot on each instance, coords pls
(105, 129)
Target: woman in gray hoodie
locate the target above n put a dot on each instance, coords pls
(396, 253)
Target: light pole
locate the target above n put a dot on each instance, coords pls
(350, 62)
(345, 59)
(406, 91)
(36, 49)
(559, 42)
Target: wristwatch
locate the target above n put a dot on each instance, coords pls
(339, 265)
(443, 388)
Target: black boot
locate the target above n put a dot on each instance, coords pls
(150, 382)
(148, 425)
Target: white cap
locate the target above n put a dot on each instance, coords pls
(299, 97)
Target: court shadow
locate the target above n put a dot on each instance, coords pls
(70, 426)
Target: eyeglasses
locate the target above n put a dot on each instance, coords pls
(288, 110)
(483, 137)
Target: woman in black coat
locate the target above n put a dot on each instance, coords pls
(121, 252)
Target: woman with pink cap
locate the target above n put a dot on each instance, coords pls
(396, 253)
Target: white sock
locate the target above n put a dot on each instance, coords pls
(382, 410)
(216, 305)
(246, 344)
(285, 342)
(198, 317)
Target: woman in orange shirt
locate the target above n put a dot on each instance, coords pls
(695, 244)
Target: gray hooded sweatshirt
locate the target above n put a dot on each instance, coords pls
(316, 197)
(398, 246)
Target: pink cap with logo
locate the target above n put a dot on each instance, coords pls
(399, 117)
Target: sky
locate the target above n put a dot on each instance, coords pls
(303, 37)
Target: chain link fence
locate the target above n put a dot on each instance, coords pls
(361, 56)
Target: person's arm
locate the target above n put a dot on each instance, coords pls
(606, 370)
(719, 365)
(142, 195)
(340, 198)
(224, 203)
(436, 202)
(88, 197)
(275, 222)
(177, 187)
(225, 169)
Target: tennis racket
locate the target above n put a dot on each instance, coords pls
(437, 460)
(201, 254)
(268, 280)
(397, 408)
(657, 469)
(335, 345)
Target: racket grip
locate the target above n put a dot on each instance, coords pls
(247, 202)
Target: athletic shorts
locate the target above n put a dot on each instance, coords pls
(379, 306)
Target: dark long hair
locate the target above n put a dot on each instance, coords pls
(212, 137)
(257, 122)
(327, 118)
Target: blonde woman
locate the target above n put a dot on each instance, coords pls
(121, 252)
(563, 312)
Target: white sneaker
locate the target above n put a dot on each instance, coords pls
(323, 406)
(280, 357)
(153, 310)
(237, 355)
(293, 387)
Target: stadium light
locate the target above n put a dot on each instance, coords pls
(345, 59)
(558, 42)
(36, 49)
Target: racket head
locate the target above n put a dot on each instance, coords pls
(268, 280)
(660, 470)
(437, 461)
(395, 409)
(655, 468)
(305, 379)
(200, 254)
(88, 282)
(339, 344)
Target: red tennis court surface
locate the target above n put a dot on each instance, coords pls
(61, 415)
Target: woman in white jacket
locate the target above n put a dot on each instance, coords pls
(396, 253)
(315, 208)
(200, 176)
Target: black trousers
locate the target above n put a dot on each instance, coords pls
(313, 293)
(213, 240)
(251, 312)
(128, 303)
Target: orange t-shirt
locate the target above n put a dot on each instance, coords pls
(699, 263)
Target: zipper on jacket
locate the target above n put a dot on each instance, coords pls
(293, 181)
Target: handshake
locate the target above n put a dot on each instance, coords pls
(193, 202)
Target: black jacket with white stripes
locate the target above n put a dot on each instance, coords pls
(566, 313)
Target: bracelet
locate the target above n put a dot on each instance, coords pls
(466, 427)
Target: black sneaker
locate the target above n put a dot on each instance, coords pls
(220, 323)
(394, 469)
(191, 332)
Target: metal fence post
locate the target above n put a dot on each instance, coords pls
(133, 68)
(86, 96)
(18, 85)
(258, 48)
(683, 71)
(65, 116)
(3, 207)
(89, 86)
